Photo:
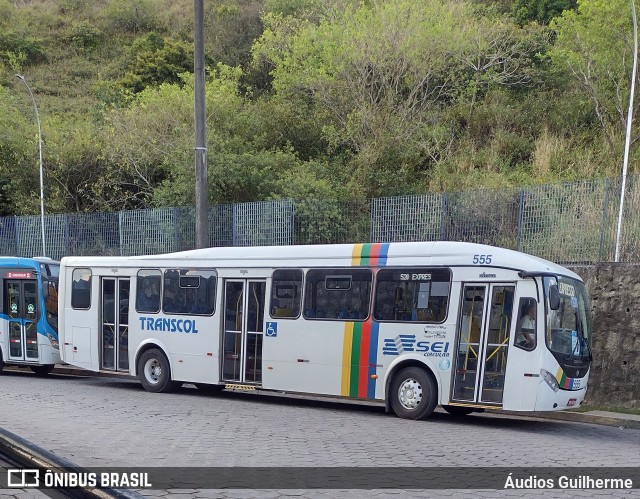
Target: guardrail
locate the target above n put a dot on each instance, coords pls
(27, 456)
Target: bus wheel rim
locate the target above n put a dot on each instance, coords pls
(410, 394)
(153, 371)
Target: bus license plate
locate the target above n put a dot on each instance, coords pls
(571, 402)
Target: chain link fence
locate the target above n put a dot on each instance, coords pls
(566, 222)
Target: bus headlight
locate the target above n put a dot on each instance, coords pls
(53, 341)
(550, 379)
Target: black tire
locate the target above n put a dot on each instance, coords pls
(154, 372)
(42, 370)
(1, 361)
(413, 393)
(206, 388)
(456, 410)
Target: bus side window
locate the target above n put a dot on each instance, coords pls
(148, 286)
(286, 294)
(188, 291)
(81, 289)
(337, 294)
(526, 331)
(412, 295)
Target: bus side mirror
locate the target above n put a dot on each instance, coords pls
(554, 297)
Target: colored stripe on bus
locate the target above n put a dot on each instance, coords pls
(359, 359)
(363, 361)
(384, 251)
(346, 358)
(373, 360)
(370, 254)
(355, 254)
(563, 380)
(355, 359)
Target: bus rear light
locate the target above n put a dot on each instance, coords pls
(550, 379)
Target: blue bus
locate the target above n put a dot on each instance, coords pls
(29, 313)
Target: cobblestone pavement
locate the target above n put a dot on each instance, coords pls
(97, 421)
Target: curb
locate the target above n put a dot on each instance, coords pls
(580, 417)
(28, 455)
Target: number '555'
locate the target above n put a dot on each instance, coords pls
(481, 259)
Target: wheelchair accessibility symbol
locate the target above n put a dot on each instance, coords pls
(272, 329)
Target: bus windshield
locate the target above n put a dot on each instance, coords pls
(569, 327)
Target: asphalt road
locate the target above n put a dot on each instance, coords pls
(106, 422)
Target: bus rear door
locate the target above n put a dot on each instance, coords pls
(114, 333)
(244, 304)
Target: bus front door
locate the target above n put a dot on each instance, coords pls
(114, 337)
(21, 303)
(486, 314)
(244, 301)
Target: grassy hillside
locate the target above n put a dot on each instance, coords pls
(305, 98)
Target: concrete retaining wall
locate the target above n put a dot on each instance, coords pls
(614, 290)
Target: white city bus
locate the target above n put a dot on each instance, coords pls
(412, 324)
(29, 313)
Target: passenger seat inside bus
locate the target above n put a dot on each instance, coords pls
(282, 312)
(278, 310)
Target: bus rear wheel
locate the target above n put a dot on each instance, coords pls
(413, 393)
(154, 372)
(42, 370)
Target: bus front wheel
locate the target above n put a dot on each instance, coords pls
(413, 393)
(1, 361)
(154, 372)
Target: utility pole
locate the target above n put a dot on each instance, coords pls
(202, 185)
(627, 142)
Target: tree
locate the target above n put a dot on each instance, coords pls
(595, 44)
(541, 11)
(19, 171)
(381, 77)
(130, 16)
(156, 60)
(76, 163)
(499, 53)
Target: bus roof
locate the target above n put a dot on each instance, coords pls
(24, 262)
(434, 253)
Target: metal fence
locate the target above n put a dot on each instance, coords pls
(567, 222)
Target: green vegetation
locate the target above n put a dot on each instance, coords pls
(339, 99)
(622, 410)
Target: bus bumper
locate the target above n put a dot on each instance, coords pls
(550, 400)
